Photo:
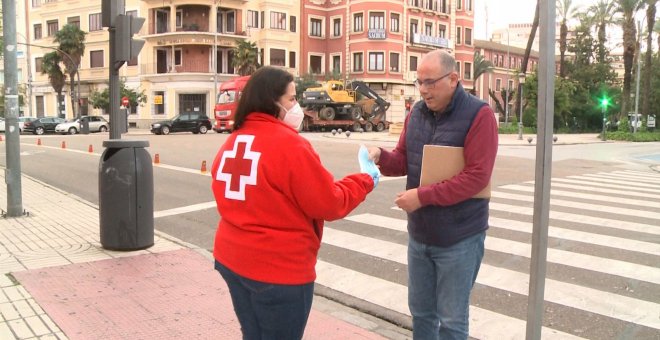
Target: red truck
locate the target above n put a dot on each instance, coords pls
(226, 103)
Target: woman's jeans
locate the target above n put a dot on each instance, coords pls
(439, 284)
(268, 311)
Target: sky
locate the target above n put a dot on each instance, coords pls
(504, 12)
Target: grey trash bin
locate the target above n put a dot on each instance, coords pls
(84, 126)
(126, 195)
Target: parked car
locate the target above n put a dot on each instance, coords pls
(96, 124)
(21, 122)
(190, 121)
(42, 125)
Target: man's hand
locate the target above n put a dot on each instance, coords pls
(408, 200)
(374, 154)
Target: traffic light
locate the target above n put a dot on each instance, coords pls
(604, 102)
(126, 47)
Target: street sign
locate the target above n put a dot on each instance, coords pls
(124, 101)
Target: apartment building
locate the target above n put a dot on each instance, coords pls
(189, 46)
(382, 42)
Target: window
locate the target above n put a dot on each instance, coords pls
(336, 27)
(377, 20)
(37, 31)
(278, 20)
(96, 59)
(376, 61)
(75, 21)
(263, 19)
(443, 6)
(40, 106)
(510, 83)
(37, 64)
(292, 59)
(498, 84)
(358, 23)
(53, 27)
(458, 68)
(252, 18)
(468, 71)
(277, 57)
(468, 5)
(442, 31)
(336, 64)
(132, 13)
(394, 62)
(357, 62)
(95, 22)
(458, 34)
(413, 26)
(468, 36)
(231, 22)
(413, 63)
(159, 97)
(459, 5)
(394, 22)
(292, 22)
(177, 57)
(315, 63)
(36, 3)
(179, 18)
(315, 26)
(428, 29)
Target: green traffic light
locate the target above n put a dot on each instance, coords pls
(604, 102)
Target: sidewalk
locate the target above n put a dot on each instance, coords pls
(59, 283)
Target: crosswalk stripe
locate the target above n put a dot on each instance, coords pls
(602, 185)
(624, 180)
(580, 236)
(484, 324)
(583, 206)
(387, 250)
(592, 220)
(380, 221)
(570, 295)
(592, 197)
(638, 173)
(595, 178)
(630, 177)
(637, 194)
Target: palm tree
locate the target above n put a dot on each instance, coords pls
(602, 14)
(246, 58)
(50, 65)
(481, 66)
(72, 42)
(628, 9)
(656, 29)
(528, 50)
(646, 88)
(566, 11)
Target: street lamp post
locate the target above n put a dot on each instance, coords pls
(521, 82)
(506, 93)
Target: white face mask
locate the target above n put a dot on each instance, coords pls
(294, 116)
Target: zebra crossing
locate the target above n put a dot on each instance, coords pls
(603, 277)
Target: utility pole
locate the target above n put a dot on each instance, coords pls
(635, 121)
(12, 146)
(508, 66)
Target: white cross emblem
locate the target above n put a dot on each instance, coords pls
(238, 167)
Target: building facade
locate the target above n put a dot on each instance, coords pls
(189, 47)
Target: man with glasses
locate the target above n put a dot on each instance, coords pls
(447, 226)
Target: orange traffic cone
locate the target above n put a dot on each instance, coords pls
(203, 167)
(63, 145)
(90, 149)
(38, 141)
(156, 159)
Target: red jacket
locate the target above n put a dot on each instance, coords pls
(273, 195)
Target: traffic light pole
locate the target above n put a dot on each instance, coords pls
(602, 135)
(115, 125)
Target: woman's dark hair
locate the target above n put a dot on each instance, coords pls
(264, 88)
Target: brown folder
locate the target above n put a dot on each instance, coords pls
(441, 163)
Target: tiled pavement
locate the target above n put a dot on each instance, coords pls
(58, 282)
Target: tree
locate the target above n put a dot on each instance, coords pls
(72, 42)
(648, 61)
(566, 11)
(50, 66)
(101, 100)
(656, 29)
(602, 14)
(246, 57)
(504, 93)
(528, 51)
(628, 9)
(481, 66)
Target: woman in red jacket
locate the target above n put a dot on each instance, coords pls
(273, 195)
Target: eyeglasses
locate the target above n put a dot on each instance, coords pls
(429, 83)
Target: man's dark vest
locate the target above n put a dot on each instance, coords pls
(443, 225)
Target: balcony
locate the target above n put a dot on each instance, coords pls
(431, 41)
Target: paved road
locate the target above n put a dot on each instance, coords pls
(604, 247)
